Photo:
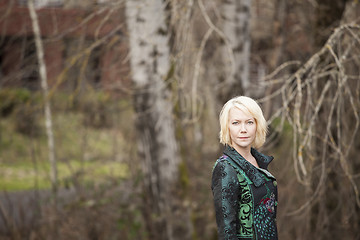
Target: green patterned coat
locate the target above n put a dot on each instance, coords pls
(245, 197)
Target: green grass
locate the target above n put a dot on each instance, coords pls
(89, 155)
(23, 176)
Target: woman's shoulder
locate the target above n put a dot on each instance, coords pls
(222, 164)
(223, 173)
(225, 166)
(221, 161)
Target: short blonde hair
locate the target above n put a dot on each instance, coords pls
(247, 105)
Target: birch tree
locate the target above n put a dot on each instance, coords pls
(44, 86)
(231, 56)
(235, 53)
(236, 25)
(149, 60)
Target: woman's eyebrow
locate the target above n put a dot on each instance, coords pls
(247, 119)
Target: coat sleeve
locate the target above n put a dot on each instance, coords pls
(226, 190)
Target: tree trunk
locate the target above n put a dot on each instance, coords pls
(352, 210)
(236, 54)
(150, 56)
(328, 15)
(47, 110)
(325, 214)
(44, 86)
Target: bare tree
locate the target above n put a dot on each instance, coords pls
(44, 86)
(320, 102)
(150, 63)
(47, 110)
(328, 14)
(235, 17)
(234, 50)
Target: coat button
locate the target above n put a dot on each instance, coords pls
(275, 183)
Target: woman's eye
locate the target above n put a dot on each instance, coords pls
(234, 123)
(250, 122)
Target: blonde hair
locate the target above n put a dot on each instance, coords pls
(247, 105)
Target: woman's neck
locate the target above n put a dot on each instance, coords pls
(246, 153)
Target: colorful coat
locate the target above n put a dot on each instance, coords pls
(245, 197)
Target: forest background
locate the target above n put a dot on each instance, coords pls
(115, 137)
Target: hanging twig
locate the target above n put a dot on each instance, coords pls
(318, 116)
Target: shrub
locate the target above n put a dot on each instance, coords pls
(27, 120)
(22, 104)
(10, 99)
(96, 108)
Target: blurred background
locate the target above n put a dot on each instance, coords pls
(109, 114)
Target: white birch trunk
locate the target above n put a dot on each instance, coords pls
(44, 86)
(150, 62)
(236, 27)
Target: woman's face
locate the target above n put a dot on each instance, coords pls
(242, 127)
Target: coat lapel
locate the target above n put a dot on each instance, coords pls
(250, 170)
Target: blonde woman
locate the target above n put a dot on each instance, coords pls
(245, 192)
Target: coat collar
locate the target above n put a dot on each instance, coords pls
(250, 170)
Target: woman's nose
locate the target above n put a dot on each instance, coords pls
(242, 128)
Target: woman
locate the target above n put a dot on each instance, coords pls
(245, 192)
